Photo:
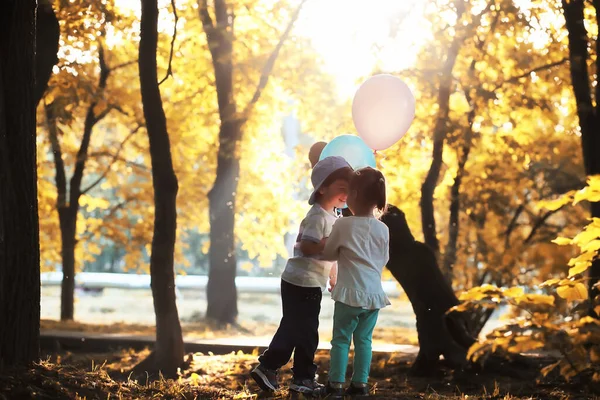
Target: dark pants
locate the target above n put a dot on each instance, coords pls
(298, 331)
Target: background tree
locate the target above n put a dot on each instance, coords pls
(221, 291)
(587, 94)
(19, 243)
(168, 351)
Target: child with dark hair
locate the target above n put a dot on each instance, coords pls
(360, 245)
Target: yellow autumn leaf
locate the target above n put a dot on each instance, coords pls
(586, 194)
(513, 292)
(592, 246)
(525, 344)
(205, 247)
(536, 299)
(476, 350)
(247, 266)
(562, 241)
(546, 370)
(195, 378)
(582, 258)
(575, 292)
(553, 205)
(579, 268)
(586, 236)
(550, 282)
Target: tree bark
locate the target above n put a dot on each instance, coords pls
(168, 350)
(19, 237)
(47, 39)
(440, 131)
(587, 112)
(221, 291)
(415, 267)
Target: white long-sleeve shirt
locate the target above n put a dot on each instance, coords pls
(360, 245)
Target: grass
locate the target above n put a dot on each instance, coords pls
(106, 376)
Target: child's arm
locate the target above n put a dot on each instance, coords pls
(333, 276)
(311, 241)
(311, 248)
(332, 245)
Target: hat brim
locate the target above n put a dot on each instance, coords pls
(313, 197)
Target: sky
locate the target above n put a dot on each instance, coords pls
(354, 38)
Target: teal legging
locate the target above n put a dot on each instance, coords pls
(348, 322)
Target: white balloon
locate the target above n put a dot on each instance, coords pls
(382, 110)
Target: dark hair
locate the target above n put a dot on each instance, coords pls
(344, 174)
(370, 186)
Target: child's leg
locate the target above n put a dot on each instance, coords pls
(282, 345)
(306, 332)
(363, 335)
(345, 320)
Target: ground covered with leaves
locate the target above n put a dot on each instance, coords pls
(107, 376)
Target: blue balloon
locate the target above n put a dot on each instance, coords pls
(353, 149)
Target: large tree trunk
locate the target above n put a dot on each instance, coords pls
(221, 291)
(440, 131)
(588, 113)
(19, 237)
(415, 267)
(168, 351)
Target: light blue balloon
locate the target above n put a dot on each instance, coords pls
(353, 149)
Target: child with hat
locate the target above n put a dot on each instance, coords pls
(302, 283)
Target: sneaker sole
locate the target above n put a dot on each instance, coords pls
(262, 381)
(305, 390)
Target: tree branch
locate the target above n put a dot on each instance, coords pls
(90, 234)
(60, 177)
(90, 120)
(213, 36)
(512, 225)
(123, 65)
(169, 70)
(115, 158)
(516, 78)
(270, 64)
(539, 223)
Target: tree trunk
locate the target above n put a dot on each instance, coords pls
(440, 131)
(454, 220)
(168, 351)
(47, 38)
(221, 291)
(588, 113)
(68, 229)
(19, 237)
(415, 267)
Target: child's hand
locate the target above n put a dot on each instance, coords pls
(323, 243)
(332, 283)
